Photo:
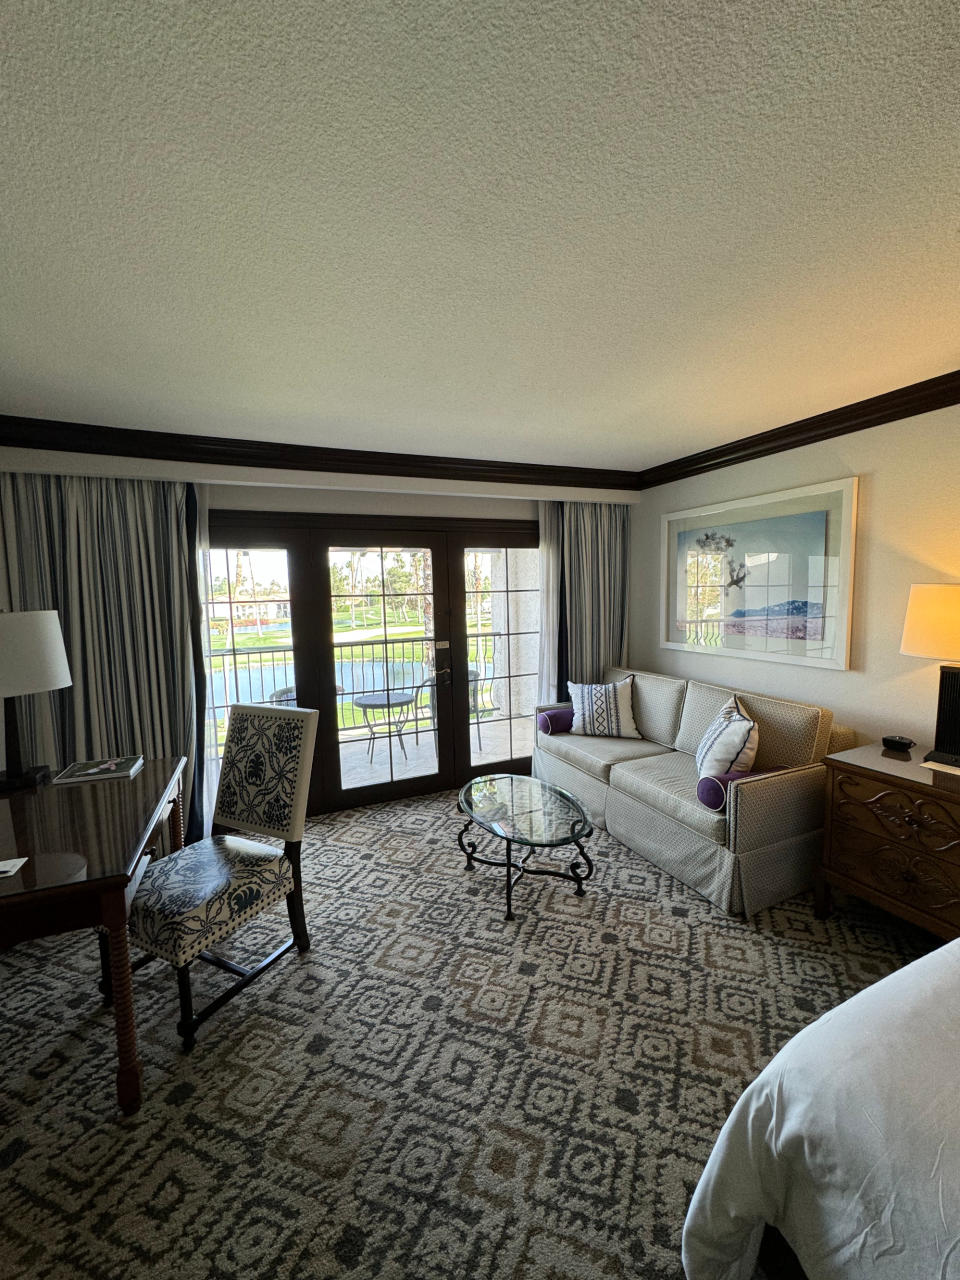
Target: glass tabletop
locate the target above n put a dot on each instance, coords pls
(524, 810)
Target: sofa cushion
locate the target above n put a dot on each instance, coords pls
(595, 755)
(791, 733)
(701, 706)
(668, 783)
(603, 710)
(657, 702)
(729, 744)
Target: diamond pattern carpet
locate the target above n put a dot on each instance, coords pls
(430, 1092)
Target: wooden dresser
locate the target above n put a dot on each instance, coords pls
(892, 836)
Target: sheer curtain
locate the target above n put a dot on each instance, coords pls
(117, 559)
(584, 574)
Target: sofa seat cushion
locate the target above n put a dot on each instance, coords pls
(596, 756)
(668, 783)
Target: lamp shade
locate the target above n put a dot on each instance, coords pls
(931, 627)
(32, 656)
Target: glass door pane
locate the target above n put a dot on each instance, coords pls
(248, 639)
(384, 659)
(502, 599)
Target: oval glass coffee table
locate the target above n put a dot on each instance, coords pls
(528, 814)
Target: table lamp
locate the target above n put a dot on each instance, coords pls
(32, 660)
(931, 629)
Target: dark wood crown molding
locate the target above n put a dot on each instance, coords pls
(74, 437)
(168, 446)
(906, 402)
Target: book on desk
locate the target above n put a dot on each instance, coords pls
(101, 770)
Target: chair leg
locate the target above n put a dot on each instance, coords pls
(298, 920)
(106, 978)
(186, 1027)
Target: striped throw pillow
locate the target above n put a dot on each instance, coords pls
(603, 710)
(730, 743)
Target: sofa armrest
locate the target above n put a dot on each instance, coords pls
(841, 739)
(769, 807)
(552, 706)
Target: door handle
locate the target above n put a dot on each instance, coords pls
(443, 677)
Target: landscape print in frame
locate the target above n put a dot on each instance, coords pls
(769, 577)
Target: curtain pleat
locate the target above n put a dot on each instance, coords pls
(113, 557)
(207, 729)
(551, 533)
(585, 548)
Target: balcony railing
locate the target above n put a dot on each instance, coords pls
(250, 675)
(403, 665)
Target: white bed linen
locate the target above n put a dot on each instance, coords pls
(848, 1142)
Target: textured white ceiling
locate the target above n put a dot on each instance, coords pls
(575, 231)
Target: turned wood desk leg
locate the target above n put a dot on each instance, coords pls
(176, 820)
(129, 1075)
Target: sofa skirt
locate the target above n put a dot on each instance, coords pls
(590, 791)
(709, 868)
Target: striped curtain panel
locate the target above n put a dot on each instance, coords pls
(584, 550)
(117, 560)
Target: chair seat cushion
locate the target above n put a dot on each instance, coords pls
(201, 894)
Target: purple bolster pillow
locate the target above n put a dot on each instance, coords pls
(556, 720)
(713, 791)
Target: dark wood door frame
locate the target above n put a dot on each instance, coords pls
(306, 536)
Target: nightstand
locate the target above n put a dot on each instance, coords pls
(892, 836)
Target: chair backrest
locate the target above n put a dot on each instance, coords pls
(265, 773)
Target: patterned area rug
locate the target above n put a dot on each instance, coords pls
(431, 1091)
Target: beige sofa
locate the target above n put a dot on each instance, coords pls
(758, 852)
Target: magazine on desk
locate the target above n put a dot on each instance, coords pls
(101, 770)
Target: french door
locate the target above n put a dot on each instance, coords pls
(416, 640)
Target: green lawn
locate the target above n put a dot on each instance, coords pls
(407, 646)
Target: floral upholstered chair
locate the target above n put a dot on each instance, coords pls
(196, 897)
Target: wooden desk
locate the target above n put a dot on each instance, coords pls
(86, 851)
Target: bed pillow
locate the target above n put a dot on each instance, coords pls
(729, 744)
(604, 710)
(555, 720)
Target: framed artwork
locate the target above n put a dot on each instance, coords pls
(768, 577)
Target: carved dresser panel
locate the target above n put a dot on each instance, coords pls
(892, 836)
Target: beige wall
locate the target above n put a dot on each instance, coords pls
(908, 531)
(354, 502)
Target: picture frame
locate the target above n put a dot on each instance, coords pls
(768, 577)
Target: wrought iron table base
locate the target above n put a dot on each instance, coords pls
(402, 709)
(575, 873)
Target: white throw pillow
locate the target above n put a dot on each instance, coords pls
(603, 710)
(730, 744)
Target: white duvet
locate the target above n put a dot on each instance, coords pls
(848, 1142)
